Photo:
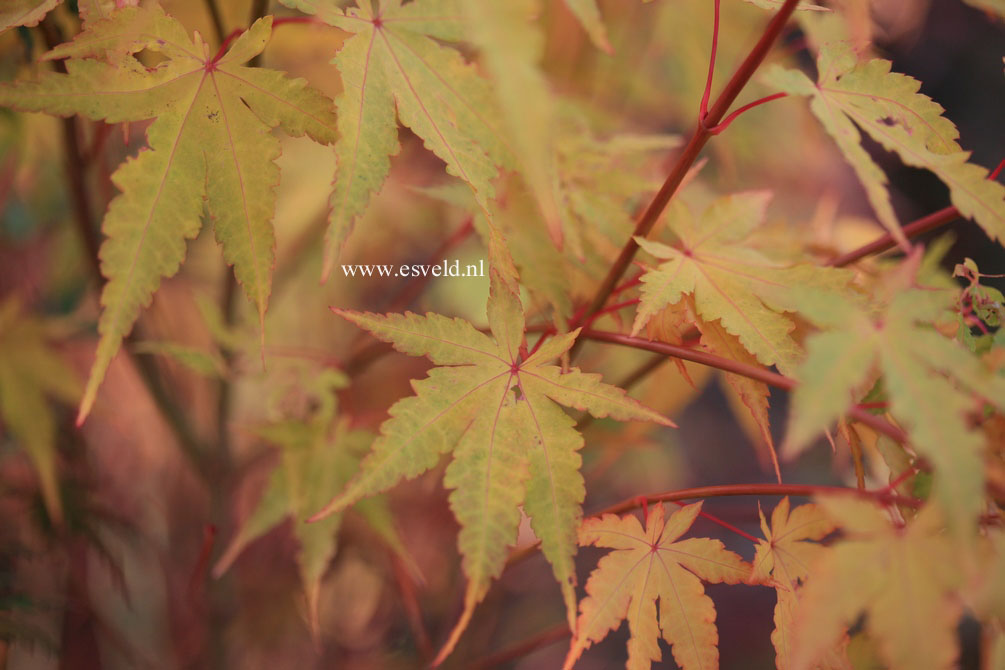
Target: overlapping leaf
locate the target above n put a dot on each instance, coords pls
(650, 564)
(498, 409)
(888, 107)
(395, 61)
(730, 281)
(317, 455)
(210, 145)
(31, 375)
(903, 579)
(930, 381)
(783, 559)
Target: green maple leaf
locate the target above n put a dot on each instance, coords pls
(730, 281)
(499, 410)
(648, 564)
(395, 61)
(887, 106)
(31, 373)
(904, 579)
(210, 146)
(930, 381)
(317, 455)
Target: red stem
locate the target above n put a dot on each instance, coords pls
(727, 490)
(715, 130)
(751, 371)
(703, 106)
(913, 229)
(717, 520)
(690, 153)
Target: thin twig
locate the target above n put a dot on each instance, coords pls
(546, 637)
(744, 369)
(690, 153)
(913, 229)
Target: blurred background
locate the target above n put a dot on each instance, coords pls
(118, 572)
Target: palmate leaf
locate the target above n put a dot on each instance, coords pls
(783, 559)
(499, 410)
(31, 374)
(317, 455)
(649, 564)
(210, 145)
(395, 61)
(746, 291)
(903, 579)
(930, 381)
(888, 107)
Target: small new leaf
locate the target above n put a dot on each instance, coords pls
(650, 564)
(499, 411)
(211, 146)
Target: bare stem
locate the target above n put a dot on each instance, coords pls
(520, 649)
(913, 229)
(744, 369)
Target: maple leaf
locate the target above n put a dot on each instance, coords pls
(395, 61)
(31, 374)
(730, 281)
(649, 564)
(888, 107)
(317, 455)
(512, 45)
(754, 395)
(903, 579)
(921, 370)
(588, 15)
(498, 409)
(210, 145)
(783, 559)
(24, 12)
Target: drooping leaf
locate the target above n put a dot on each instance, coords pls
(210, 143)
(903, 579)
(650, 564)
(31, 375)
(24, 12)
(784, 558)
(512, 45)
(850, 95)
(395, 61)
(317, 454)
(754, 395)
(930, 380)
(730, 281)
(498, 409)
(588, 14)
